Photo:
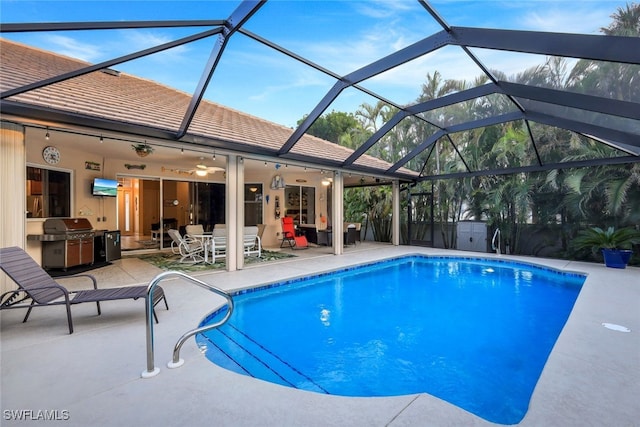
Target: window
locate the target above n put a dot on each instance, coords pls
(252, 204)
(48, 193)
(300, 203)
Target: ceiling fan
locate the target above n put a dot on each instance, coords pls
(202, 170)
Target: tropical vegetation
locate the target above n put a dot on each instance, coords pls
(596, 238)
(556, 204)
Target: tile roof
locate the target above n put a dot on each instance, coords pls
(134, 100)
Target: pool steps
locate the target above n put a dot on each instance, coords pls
(232, 344)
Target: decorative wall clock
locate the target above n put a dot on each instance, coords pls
(51, 155)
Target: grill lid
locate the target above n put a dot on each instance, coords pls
(66, 225)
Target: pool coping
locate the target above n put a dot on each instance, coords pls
(263, 286)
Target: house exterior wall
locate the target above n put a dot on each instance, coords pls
(85, 158)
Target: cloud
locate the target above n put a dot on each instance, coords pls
(73, 48)
(123, 42)
(576, 19)
(136, 40)
(383, 8)
(301, 81)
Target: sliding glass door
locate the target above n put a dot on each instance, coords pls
(300, 204)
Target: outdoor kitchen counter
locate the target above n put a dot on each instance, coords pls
(46, 237)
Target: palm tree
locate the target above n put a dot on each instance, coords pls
(613, 80)
(626, 22)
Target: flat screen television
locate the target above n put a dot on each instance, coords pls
(104, 187)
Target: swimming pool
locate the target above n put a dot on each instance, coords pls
(470, 331)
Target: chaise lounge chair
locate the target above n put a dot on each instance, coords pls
(36, 285)
(290, 237)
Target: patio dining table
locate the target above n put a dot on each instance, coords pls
(206, 243)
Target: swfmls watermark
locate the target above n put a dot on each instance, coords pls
(36, 415)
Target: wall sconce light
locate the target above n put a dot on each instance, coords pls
(326, 182)
(253, 189)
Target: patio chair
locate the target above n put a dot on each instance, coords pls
(219, 242)
(196, 232)
(261, 228)
(252, 244)
(37, 285)
(351, 234)
(191, 250)
(289, 235)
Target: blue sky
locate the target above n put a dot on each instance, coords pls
(341, 36)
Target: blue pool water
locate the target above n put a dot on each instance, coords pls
(476, 333)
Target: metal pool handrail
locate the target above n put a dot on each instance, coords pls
(176, 361)
(493, 241)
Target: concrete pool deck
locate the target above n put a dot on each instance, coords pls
(92, 377)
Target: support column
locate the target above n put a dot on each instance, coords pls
(231, 211)
(240, 214)
(395, 213)
(337, 214)
(13, 178)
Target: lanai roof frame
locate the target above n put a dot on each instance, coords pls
(595, 47)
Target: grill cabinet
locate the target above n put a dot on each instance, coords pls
(67, 242)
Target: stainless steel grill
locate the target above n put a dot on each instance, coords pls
(67, 242)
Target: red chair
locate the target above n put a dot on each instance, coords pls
(289, 235)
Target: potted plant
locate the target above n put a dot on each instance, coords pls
(614, 244)
(142, 150)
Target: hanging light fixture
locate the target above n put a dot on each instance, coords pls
(201, 169)
(46, 135)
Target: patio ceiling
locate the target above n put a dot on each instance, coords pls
(423, 123)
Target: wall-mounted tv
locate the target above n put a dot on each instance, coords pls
(104, 187)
